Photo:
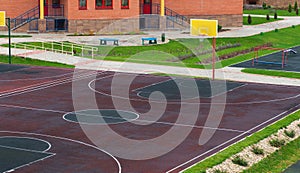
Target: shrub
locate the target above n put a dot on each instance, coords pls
(239, 161)
(264, 5)
(275, 15)
(276, 30)
(293, 26)
(269, 6)
(249, 19)
(219, 171)
(296, 5)
(297, 11)
(290, 134)
(261, 33)
(268, 17)
(290, 8)
(257, 150)
(163, 37)
(219, 28)
(277, 143)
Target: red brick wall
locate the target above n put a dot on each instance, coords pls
(73, 11)
(204, 7)
(14, 8)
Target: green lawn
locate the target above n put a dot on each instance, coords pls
(166, 54)
(34, 62)
(259, 20)
(280, 160)
(236, 148)
(15, 36)
(270, 12)
(272, 73)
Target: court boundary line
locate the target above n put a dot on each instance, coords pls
(173, 102)
(127, 120)
(27, 164)
(232, 139)
(157, 122)
(37, 139)
(67, 139)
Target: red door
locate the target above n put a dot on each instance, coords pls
(147, 6)
(46, 7)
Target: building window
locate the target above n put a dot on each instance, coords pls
(104, 4)
(55, 3)
(124, 4)
(82, 4)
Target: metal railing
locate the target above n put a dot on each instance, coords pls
(25, 18)
(171, 15)
(58, 47)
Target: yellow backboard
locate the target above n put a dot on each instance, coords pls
(204, 27)
(2, 18)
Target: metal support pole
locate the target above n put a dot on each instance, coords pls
(9, 40)
(213, 57)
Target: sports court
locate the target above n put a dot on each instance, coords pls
(273, 61)
(50, 107)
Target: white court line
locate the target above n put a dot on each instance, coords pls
(70, 140)
(156, 122)
(38, 78)
(36, 139)
(117, 118)
(27, 164)
(36, 85)
(191, 103)
(232, 139)
(45, 86)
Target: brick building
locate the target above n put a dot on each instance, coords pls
(131, 15)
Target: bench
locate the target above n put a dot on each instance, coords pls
(152, 40)
(103, 41)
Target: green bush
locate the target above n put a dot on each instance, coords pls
(290, 8)
(275, 15)
(219, 28)
(277, 143)
(163, 37)
(276, 30)
(268, 17)
(296, 5)
(257, 150)
(219, 171)
(249, 19)
(239, 161)
(264, 5)
(290, 134)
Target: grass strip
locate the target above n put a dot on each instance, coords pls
(258, 20)
(278, 161)
(34, 62)
(236, 148)
(272, 73)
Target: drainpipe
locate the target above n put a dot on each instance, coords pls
(41, 9)
(162, 7)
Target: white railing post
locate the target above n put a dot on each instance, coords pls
(72, 49)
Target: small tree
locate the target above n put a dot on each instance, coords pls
(290, 8)
(249, 19)
(296, 6)
(297, 12)
(275, 15)
(268, 17)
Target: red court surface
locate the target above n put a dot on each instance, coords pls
(34, 100)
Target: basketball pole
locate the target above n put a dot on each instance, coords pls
(9, 40)
(213, 57)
